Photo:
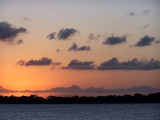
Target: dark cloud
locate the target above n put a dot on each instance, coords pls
(115, 40)
(8, 32)
(52, 36)
(134, 64)
(93, 37)
(145, 41)
(19, 42)
(87, 48)
(41, 62)
(56, 63)
(78, 65)
(66, 33)
(74, 47)
(21, 62)
(131, 13)
(58, 50)
(146, 11)
(146, 26)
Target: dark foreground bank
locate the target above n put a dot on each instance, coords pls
(33, 99)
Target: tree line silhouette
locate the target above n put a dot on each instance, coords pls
(34, 99)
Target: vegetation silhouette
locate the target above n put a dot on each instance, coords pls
(33, 99)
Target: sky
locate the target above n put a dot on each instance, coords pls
(59, 43)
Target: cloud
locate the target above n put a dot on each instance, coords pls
(146, 26)
(26, 19)
(19, 42)
(56, 63)
(78, 65)
(21, 62)
(41, 62)
(74, 47)
(8, 32)
(145, 41)
(66, 33)
(58, 50)
(52, 68)
(146, 11)
(157, 42)
(63, 34)
(134, 64)
(52, 36)
(93, 37)
(115, 40)
(131, 13)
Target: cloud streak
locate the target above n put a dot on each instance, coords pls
(19, 42)
(52, 36)
(146, 26)
(41, 62)
(146, 11)
(78, 65)
(131, 13)
(75, 47)
(26, 19)
(93, 37)
(134, 64)
(44, 61)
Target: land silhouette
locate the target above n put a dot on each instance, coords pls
(77, 89)
(34, 99)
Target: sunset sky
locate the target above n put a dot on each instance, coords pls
(99, 43)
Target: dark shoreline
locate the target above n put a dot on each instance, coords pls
(110, 99)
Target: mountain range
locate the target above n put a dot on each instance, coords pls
(77, 89)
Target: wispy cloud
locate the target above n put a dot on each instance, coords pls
(58, 50)
(146, 11)
(19, 42)
(78, 65)
(146, 26)
(52, 36)
(131, 13)
(26, 19)
(75, 47)
(134, 64)
(93, 37)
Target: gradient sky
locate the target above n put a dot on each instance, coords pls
(128, 19)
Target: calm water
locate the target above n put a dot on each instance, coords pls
(80, 112)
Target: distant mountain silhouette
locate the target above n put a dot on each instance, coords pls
(77, 89)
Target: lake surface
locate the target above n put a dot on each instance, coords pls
(79, 111)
